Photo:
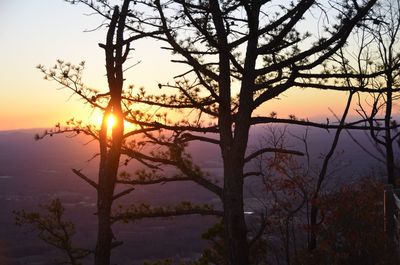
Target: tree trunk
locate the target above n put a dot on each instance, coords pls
(312, 242)
(388, 135)
(233, 152)
(234, 221)
(110, 150)
(104, 234)
(234, 218)
(104, 201)
(109, 163)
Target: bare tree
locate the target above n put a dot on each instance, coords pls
(382, 31)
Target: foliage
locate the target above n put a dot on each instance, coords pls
(216, 253)
(349, 229)
(352, 230)
(213, 255)
(52, 229)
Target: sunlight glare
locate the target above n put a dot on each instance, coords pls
(96, 119)
(110, 121)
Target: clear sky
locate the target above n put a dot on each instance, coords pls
(42, 31)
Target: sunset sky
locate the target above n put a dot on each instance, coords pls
(42, 31)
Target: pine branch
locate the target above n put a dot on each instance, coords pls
(265, 120)
(137, 212)
(271, 150)
(85, 178)
(122, 193)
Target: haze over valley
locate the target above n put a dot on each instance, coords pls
(34, 172)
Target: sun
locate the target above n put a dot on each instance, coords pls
(110, 121)
(96, 119)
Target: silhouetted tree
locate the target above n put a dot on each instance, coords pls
(117, 48)
(323, 172)
(241, 54)
(116, 51)
(383, 55)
